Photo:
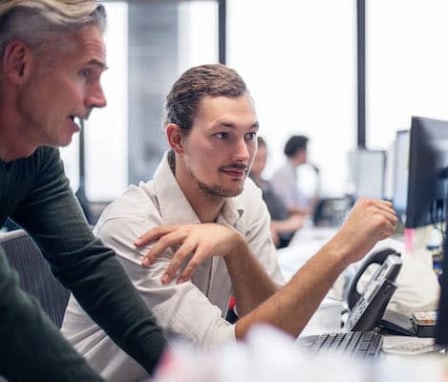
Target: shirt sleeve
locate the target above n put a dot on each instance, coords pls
(32, 348)
(52, 216)
(182, 309)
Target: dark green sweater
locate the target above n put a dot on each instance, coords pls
(35, 193)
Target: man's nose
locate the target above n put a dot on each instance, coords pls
(241, 151)
(96, 98)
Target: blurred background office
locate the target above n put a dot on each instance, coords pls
(348, 74)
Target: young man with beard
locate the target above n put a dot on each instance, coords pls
(208, 215)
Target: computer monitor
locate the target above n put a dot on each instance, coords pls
(367, 172)
(428, 180)
(400, 173)
(441, 336)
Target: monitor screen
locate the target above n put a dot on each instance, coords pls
(428, 164)
(441, 336)
(367, 171)
(400, 173)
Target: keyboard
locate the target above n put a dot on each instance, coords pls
(359, 344)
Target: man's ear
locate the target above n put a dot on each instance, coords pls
(174, 136)
(16, 61)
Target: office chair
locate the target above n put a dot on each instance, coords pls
(35, 276)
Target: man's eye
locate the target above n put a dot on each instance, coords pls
(251, 136)
(222, 135)
(85, 73)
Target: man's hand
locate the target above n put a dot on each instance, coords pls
(369, 221)
(191, 244)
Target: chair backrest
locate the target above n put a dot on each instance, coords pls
(35, 276)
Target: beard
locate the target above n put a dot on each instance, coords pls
(214, 192)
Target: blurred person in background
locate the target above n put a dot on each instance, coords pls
(283, 223)
(285, 180)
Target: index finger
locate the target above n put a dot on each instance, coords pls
(153, 235)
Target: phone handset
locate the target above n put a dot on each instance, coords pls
(366, 309)
(377, 257)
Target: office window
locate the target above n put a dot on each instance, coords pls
(198, 33)
(165, 37)
(406, 65)
(148, 45)
(298, 58)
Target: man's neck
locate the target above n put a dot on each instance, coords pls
(13, 141)
(12, 147)
(208, 211)
(207, 208)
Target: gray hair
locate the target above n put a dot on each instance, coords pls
(37, 21)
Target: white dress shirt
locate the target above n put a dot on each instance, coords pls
(285, 183)
(192, 310)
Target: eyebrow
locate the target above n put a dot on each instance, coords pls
(98, 63)
(256, 125)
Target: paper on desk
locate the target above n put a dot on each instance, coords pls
(406, 345)
(305, 243)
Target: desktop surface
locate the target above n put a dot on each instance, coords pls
(269, 355)
(367, 344)
(328, 318)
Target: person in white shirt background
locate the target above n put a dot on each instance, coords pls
(285, 181)
(283, 223)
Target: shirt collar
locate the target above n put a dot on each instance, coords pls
(174, 206)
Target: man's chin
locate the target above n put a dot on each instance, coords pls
(232, 193)
(64, 141)
(63, 144)
(213, 192)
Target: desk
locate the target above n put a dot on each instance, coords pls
(418, 288)
(268, 355)
(307, 241)
(304, 244)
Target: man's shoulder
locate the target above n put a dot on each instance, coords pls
(129, 215)
(137, 201)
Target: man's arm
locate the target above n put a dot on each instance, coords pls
(52, 216)
(194, 312)
(290, 308)
(205, 241)
(32, 347)
(250, 282)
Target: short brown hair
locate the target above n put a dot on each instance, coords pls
(193, 85)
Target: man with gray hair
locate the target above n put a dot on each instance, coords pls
(52, 59)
